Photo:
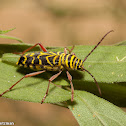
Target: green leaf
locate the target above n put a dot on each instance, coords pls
(90, 110)
(103, 64)
(107, 64)
(30, 89)
(9, 37)
(121, 43)
(3, 32)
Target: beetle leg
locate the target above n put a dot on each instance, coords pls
(65, 50)
(72, 87)
(27, 75)
(69, 50)
(41, 46)
(56, 85)
(51, 79)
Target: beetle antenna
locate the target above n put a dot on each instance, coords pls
(94, 80)
(97, 45)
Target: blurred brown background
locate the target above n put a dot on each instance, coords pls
(63, 23)
(57, 23)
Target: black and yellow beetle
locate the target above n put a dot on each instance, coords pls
(53, 61)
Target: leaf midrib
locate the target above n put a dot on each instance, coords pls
(93, 112)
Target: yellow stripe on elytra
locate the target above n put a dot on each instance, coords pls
(49, 61)
(52, 53)
(40, 61)
(32, 62)
(60, 59)
(17, 62)
(25, 59)
(48, 53)
(63, 58)
(74, 62)
(81, 63)
(71, 61)
(77, 63)
(43, 53)
(67, 60)
(32, 54)
(59, 64)
(58, 53)
(54, 59)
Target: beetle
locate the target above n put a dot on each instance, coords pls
(53, 61)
